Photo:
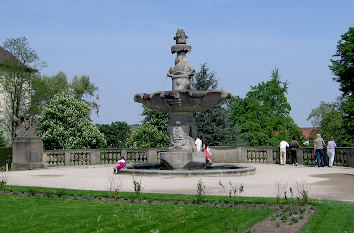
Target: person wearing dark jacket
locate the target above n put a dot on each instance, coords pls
(293, 148)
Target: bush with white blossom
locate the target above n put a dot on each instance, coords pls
(65, 124)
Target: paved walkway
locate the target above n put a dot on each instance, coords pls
(336, 183)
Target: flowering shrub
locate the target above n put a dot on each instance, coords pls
(64, 124)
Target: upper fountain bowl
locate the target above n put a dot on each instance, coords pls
(182, 100)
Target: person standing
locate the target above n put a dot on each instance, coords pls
(293, 148)
(207, 152)
(318, 150)
(198, 144)
(331, 151)
(283, 146)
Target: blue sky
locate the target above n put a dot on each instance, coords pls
(124, 46)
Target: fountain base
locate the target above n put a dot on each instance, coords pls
(182, 160)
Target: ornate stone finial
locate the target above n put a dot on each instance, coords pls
(181, 72)
(181, 37)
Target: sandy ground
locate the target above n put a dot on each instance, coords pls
(336, 183)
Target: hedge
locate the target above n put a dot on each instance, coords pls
(5, 154)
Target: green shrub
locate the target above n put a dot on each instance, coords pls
(5, 154)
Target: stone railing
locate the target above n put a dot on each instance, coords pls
(344, 156)
(54, 158)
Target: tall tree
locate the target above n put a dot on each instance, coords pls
(343, 70)
(116, 133)
(157, 119)
(147, 136)
(264, 114)
(64, 124)
(44, 88)
(214, 125)
(328, 118)
(16, 72)
(343, 63)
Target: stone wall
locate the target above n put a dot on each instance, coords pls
(344, 156)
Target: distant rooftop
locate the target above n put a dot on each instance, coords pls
(309, 131)
(6, 55)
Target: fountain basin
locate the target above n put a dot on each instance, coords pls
(182, 100)
(214, 169)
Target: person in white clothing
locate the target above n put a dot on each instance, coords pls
(198, 144)
(331, 151)
(283, 146)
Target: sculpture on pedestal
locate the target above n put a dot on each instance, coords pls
(27, 147)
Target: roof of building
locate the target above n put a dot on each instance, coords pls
(6, 55)
(309, 131)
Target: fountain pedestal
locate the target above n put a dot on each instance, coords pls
(182, 160)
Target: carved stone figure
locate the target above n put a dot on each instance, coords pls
(24, 126)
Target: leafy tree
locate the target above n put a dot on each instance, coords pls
(328, 118)
(317, 114)
(83, 89)
(2, 140)
(64, 124)
(15, 79)
(343, 67)
(44, 88)
(115, 133)
(214, 125)
(157, 119)
(147, 136)
(263, 115)
(343, 70)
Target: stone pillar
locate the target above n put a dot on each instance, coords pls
(67, 160)
(152, 155)
(95, 157)
(27, 153)
(124, 154)
(270, 156)
(300, 156)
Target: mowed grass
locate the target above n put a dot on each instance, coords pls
(34, 214)
(332, 216)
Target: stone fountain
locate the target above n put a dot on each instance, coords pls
(181, 103)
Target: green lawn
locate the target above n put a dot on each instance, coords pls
(38, 214)
(332, 216)
(34, 214)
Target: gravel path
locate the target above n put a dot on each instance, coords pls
(336, 183)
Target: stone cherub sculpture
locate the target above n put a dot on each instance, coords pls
(24, 126)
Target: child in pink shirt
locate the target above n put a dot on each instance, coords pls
(121, 164)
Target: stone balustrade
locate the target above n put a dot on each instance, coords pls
(344, 155)
(52, 158)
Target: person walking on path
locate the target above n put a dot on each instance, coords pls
(318, 146)
(207, 152)
(331, 151)
(293, 148)
(198, 144)
(283, 146)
